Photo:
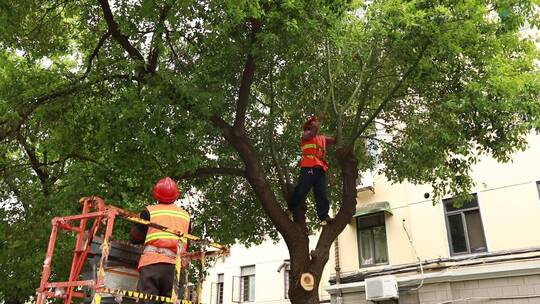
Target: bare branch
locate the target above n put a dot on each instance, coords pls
(247, 80)
(117, 35)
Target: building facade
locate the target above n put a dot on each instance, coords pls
(485, 251)
(257, 274)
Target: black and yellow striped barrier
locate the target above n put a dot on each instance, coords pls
(134, 295)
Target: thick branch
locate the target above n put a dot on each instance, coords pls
(349, 173)
(247, 80)
(213, 171)
(117, 35)
(256, 178)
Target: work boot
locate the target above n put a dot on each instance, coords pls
(326, 221)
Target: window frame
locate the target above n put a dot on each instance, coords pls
(359, 241)
(242, 284)
(462, 212)
(220, 286)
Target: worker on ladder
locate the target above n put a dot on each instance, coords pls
(157, 263)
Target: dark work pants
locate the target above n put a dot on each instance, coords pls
(156, 279)
(311, 178)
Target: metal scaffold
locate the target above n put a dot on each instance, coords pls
(93, 230)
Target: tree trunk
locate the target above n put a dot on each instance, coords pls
(294, 232)
(298, 295)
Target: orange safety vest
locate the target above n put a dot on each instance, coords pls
(171, 216)
(313, 152)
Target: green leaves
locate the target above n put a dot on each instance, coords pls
(425, 87)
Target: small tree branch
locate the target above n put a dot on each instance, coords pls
(35, 163)
(282, 172)
(117, 35)
(10, 127)
(169, 43)
(389, 96)
(201, 172)
(94, 54)
(331, 81)
(359, 84)
(248, 76)
(365, 93)
(157, 39)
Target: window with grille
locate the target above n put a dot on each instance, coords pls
(220, 286)
(247, 284)
(464, 226)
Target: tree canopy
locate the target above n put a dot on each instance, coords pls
(106, 97)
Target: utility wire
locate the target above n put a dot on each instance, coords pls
(417, 257)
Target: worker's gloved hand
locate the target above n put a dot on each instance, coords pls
(185, 262)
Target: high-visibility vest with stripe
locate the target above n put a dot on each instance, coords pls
(171, 216)
(313, 152)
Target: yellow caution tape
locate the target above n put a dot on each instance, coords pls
(136, 295)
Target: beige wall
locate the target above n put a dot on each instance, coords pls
(509, 207)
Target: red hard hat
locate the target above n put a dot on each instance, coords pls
(166, 190)
(309, 121)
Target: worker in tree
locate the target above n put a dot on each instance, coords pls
(313, 169)
(157, 263)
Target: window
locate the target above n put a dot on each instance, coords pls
(464, 226)
(371, 235)
(220, 289)
(247, 284)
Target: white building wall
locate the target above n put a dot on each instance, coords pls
(269, 283)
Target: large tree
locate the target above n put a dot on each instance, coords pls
(105, 97)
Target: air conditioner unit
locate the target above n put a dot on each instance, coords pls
(381, 288)
(365, 181)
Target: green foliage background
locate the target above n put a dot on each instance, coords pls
(80, 115)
